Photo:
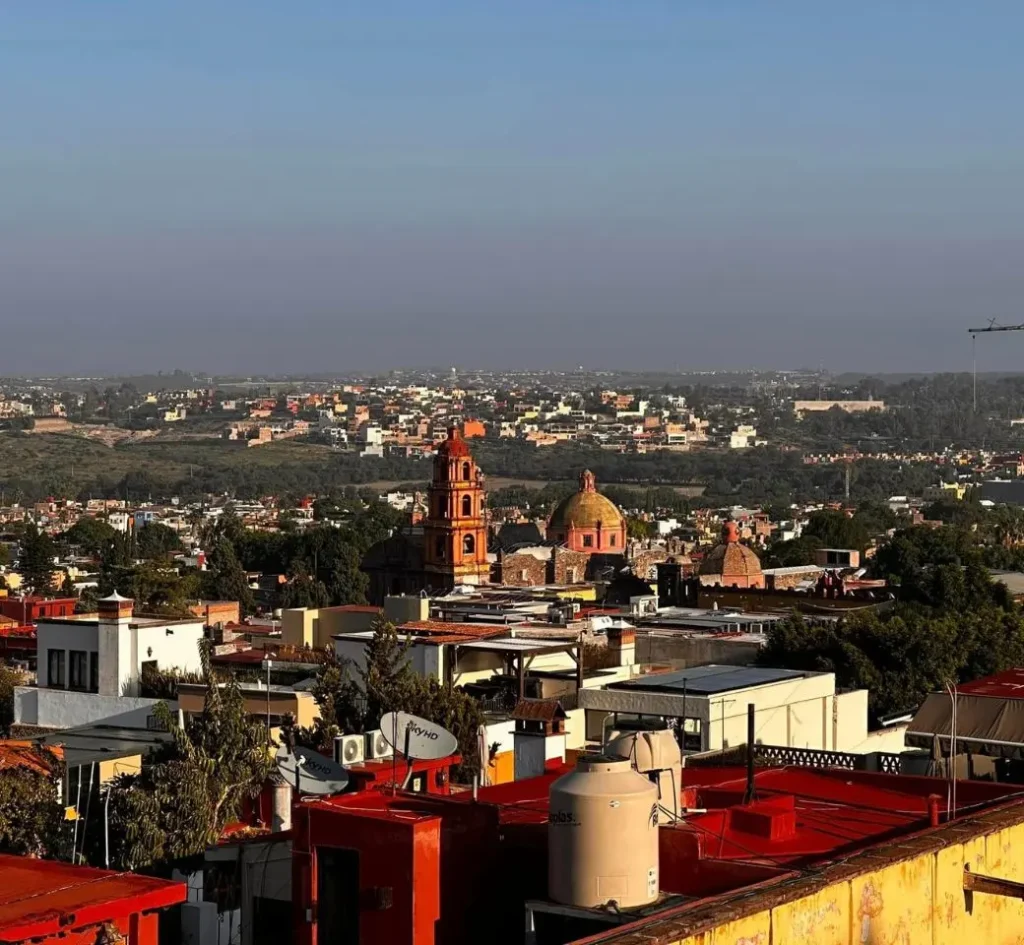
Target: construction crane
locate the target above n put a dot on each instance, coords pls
(974, 332)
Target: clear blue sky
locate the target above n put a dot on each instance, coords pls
(273, 186)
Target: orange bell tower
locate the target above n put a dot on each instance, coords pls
(455, 529)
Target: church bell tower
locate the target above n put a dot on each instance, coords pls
(455, 529)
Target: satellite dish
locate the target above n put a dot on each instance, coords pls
(311, 773)
(414, 737)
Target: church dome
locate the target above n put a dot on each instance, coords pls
(586, 508)
(732, 562)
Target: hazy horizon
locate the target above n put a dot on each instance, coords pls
(257, 188)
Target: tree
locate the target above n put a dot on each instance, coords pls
(638, 528)
(796, 551)
(195, 785)
(342, 708)
(90, 534)
(388, 684)
(156, 541)
(837, 530)
(36, 561)
(31, 817)
(303, 591)
(226, 580)
(10, 678)
(940, 568)
(901, 657)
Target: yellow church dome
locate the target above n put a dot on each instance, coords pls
(584, 509)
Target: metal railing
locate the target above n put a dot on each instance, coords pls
(777, 756)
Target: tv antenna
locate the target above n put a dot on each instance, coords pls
(974, 332)
(415, 738)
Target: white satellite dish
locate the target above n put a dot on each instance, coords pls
(414, 737)
(311, 773)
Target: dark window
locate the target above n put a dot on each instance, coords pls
(465, 471)
(94, 673)
(588, 541)
(79, 666)
(468, 545)
(439, 547)
(55, 672)
(467, 505)
(611, 540)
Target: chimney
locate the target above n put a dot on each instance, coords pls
(116, 666)
(622, 644)
(282, 804)
(115, 608)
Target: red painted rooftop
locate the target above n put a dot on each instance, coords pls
(43, 897)
(28, 631)
(835, 810)
(1008, 684)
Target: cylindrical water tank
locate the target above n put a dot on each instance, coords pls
(655, 753)
(603, 835)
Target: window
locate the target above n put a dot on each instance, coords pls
(94, 673)
(570, 576)
(468, 545)
(439, 547)
(467, 505)
(79, 667)
(611, 540)
(465, 471)
(588, 541)
(55, 670)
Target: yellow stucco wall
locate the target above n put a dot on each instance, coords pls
(503, 768)
(916, 900)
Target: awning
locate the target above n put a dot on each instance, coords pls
(984, 725)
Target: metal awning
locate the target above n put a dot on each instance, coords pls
(984, 725)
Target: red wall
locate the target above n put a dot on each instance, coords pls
(400, 853)
(30, 609)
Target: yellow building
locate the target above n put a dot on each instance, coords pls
(924, 889)
(282, 701)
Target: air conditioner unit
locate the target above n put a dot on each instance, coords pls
(349, 749)
(377, 746)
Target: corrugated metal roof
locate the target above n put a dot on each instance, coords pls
(43, 897)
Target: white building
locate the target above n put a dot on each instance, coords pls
(106, 653)
(792, 709)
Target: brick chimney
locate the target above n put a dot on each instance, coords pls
(115, 607)
(622, 643)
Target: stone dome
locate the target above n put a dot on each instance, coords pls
(731, 562)
(584, 509)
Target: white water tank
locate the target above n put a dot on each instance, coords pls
(654, 753)
(603, 835)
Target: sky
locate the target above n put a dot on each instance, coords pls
(326, 185)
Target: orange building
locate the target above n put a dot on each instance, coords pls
(588, 521)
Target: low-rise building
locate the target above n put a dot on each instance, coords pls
(45, 901)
